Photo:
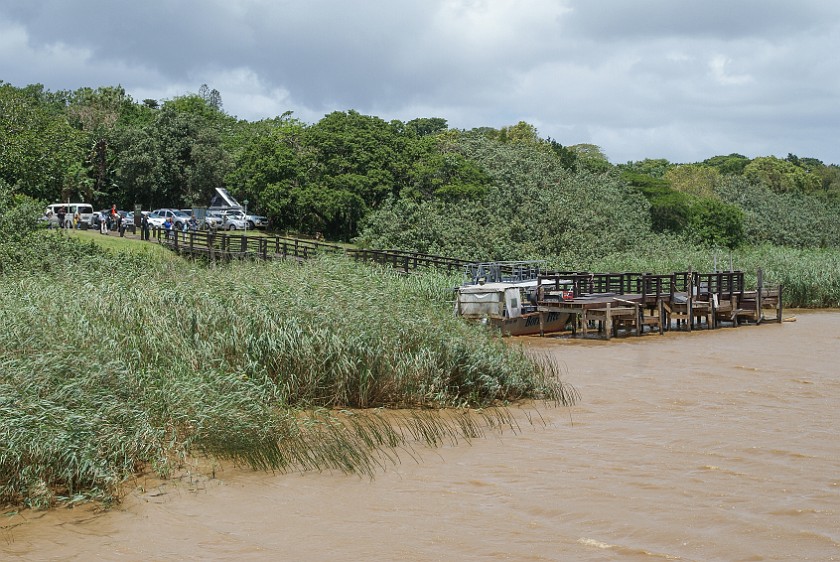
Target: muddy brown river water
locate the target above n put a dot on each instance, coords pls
(705, 446)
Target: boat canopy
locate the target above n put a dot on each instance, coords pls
(502, 287)
(494, 300)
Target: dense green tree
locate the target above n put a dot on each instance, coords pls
(694, 179)
(438, 168)
(38, 146)
(590, 157)
(177, 159)
(567, 157)
(732, 164)
(781, 176)
(427, 126)
(713, 222)
(532, 207)
(270, 169)
(785, 219)
(358, 163)
(18, 215)
(654, 168)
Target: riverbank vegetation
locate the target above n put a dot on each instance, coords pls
(113, 362)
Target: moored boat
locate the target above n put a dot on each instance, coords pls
(507, 302)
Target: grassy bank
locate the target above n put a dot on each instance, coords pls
(116, 361)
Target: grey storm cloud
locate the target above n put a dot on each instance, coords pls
(683, 80)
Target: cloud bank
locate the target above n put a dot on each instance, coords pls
(648, 79)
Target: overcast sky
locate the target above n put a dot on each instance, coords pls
(676, 79)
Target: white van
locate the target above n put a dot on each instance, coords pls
(85, 211)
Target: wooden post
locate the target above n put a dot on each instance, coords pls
(661, 306)
(584, 323)
(758, 296)
(779, 306)
(608, 323)
(639, 313)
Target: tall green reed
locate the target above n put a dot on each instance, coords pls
(114, 362)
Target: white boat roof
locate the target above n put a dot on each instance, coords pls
(501, 286)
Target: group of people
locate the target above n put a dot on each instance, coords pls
(63, 221)
(112, 220)
(190, 226)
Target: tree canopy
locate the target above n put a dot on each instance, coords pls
(416, 184)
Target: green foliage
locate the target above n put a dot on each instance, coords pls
(37, 144)
(654, 168)
(591, 158)
(694, 211)
(533, 207)
(669, 209)
(715, 223)
(694, 179)
(271, 167)
(567, 157)
(426, 126)
(24, 247)
(146, 363)
(18, 215)
(670, 212)
(781, 176)
(732, 164)
(177, 159)
(785, 219)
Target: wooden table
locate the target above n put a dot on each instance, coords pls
(610, 310)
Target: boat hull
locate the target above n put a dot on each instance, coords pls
(529, 324)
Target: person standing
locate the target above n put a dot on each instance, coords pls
(144, 226)
(61, 214)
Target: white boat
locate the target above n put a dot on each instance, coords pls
(510, 306)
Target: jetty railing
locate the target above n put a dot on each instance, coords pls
(221, 245)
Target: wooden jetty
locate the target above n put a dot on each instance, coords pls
(612, 302)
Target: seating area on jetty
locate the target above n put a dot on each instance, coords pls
(612, 303)
(598, 304)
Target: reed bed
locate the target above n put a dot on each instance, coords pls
(112, 363)
(810, 276)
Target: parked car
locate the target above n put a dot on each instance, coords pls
(229, 220)
(178, 218)
(257, 221)
(253, 221)
(213, 221)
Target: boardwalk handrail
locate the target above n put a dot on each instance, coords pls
(224, 245)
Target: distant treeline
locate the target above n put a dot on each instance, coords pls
(484, 193)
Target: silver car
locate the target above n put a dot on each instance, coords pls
(229, 220)
(159, 216)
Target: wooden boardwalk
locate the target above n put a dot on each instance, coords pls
(223, 246)
(605, 304)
